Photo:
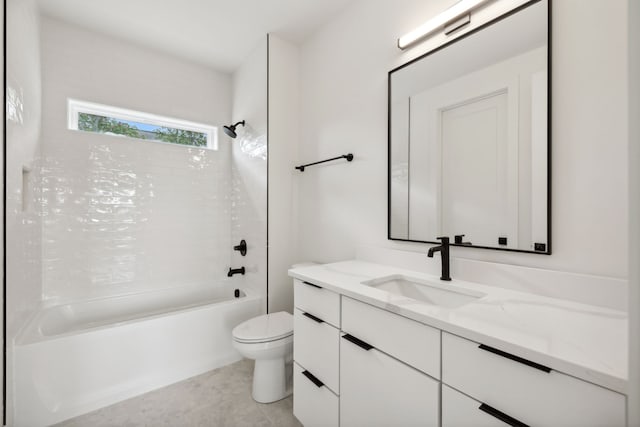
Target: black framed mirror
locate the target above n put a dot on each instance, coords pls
(469, 150)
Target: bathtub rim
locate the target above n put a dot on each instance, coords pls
(31, 333)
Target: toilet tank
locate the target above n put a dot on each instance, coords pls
(304, 264)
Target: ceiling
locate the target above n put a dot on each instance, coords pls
(217, 33)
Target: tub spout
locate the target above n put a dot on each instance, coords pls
(233, 271)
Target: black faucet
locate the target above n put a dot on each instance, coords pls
(233, 271)
(444, 253)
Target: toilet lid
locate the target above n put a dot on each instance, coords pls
(269, 327)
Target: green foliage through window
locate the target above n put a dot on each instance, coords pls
(184, 137)
(100, 124)
(111, 126)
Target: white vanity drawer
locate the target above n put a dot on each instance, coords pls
(529, 394)
(378, 390)
(459, 410)
(407, 340)
(316, 347)
(313, 404)
(318, 301)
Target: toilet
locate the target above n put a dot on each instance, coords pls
(267, 339)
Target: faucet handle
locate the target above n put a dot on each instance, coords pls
(444, 239)
(458, 240)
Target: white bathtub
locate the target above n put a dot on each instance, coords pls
(75, 358)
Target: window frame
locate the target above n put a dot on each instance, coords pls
(75, 107)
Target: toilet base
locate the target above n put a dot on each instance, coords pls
(271, 380)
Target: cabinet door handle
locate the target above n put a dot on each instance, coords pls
(515, 358)
(312, 317)
(311, 284)
(501, 416)
(358, 342)
(313, 379)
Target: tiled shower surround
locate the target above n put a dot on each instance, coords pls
(125, 215)
(95, 215)
(121, 215)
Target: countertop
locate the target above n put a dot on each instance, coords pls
(587, 342)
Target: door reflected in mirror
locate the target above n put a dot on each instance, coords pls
(469, 140)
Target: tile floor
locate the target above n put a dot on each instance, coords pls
(217, 398)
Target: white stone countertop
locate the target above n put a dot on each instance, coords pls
(587, 342)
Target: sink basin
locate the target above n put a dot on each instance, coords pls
(432, 293)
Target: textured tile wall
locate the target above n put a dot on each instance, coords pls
(24, 244)
(24, 144)
(124, 215)
(248, 210)
(249, 169)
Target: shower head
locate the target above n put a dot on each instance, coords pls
(231, 129)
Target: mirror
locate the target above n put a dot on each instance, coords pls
(469, 138)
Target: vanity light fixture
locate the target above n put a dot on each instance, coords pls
(437, 22)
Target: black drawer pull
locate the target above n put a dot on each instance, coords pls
(311, 284)
(358, 342)
(313, 379)
(501, 416)
(312, 317)
(515, 358)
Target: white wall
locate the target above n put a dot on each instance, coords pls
(248, 208)
(283, 152)
(124, 215)
(634, 213)
(343, 91)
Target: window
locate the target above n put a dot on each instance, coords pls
(97, 118)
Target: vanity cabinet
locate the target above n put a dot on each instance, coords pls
(360, 365)
(314, 299)
(459, 410)
(378, 390)
(316, 343)
(414, 343)
(379, 385)
(527, 392)
(313, 404)
(317, 347)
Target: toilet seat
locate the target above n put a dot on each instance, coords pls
(265, 328)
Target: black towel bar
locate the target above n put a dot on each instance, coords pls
(349, 157)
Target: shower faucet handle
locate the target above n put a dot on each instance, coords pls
(242, 247)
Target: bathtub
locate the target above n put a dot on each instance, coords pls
(74, 358)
